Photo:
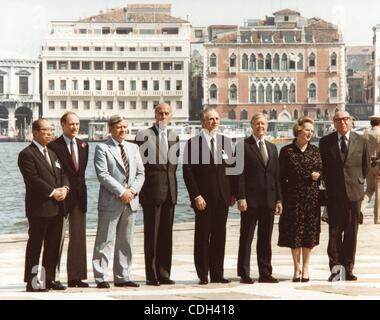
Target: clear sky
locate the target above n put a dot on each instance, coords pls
(24, 23)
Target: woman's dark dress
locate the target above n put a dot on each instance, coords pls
(300, 224)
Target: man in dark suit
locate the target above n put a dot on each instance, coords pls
(73, 155)
(206, 160)
(46, 189)
(345, 162)
(259, 198)
(159, 195)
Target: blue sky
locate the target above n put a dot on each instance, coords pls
(24, 23)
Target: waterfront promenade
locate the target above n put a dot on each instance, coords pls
(12, 248)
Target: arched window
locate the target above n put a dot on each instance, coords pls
(305, 113)
(261, 93)
(277, 94)
(233, 92)
(312, 91)
(318, 114)
(333, 90)
(312, 60)
(268, 93)
(268, 62)
(333, 59)
(300, 62)
(244, 115)
(292, 93)
(292, 61)
(232, 115)
(244, 62)
(252, 94)
(284, 94)
(276, 62)
(326, 114)
(233, 61)
(273, 115)
(213, 60)
(213, 92)
(295, 114)
(252, 62)
(260, 62)
(284, 62)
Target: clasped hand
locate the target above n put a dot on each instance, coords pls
(60, 194)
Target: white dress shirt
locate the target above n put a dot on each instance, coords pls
(258, 145)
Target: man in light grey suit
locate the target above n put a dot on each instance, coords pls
(120, 171)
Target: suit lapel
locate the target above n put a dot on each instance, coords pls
(335, 150)
(351, 145)
(256, 150)
(39, 155)
(115, 152)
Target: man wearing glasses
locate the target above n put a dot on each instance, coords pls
(345, 165)
(46, 189)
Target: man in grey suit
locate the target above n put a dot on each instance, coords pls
(159, 150)
(345, 162)
(120, 171)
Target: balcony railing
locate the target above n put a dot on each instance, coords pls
(57, 93)
(333, 69)
(311, 69)
(311, 100)
(333, 99)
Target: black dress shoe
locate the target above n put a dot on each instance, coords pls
(296, 280)
(350, 277)
(166, 281)
(246, 280)
(268, 279)
(221, 280)
(77, 284)
(29, 288)
(127, 284)
(305, 279)
(152, 283)
(103, 285)
(55, 285)
(203, 281)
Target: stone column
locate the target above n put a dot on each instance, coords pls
(11, 120)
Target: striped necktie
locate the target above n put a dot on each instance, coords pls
(125, 161)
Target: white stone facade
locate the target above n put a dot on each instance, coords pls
(96, 73)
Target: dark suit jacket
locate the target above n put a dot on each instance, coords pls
(77, 180)
(160, 179)
(40, 181)
(258, 184)
(344, 179)
(203, 178)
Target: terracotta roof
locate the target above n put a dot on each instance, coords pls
(121, 15)
(149, 6)
(228, 38)
(286, 11)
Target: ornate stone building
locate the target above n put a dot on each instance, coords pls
(19, 96)
(286, 66)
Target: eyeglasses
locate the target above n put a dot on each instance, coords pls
(344, 119)
(46, 130)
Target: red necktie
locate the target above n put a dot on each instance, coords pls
(73, 157)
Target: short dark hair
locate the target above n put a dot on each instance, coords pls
(65, 115)
(375, 122)
(36, 125)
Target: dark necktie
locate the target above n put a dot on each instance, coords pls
(47, 157)
(343, 145)
(263, 154)
(212, 144)
(125, 161)
(73, 157)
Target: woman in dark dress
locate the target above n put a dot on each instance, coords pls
(300, 170)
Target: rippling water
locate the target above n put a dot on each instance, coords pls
(12, 209)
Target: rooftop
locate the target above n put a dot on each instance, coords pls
(286, 12)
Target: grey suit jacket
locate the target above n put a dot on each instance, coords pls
(110, 171)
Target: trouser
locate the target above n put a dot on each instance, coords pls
(372, 188)
(76, 252)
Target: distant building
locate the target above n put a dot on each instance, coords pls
(123, 61)
(286, 66)
(376, 68)
(19, 95)
(196, 85)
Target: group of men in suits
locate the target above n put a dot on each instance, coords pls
(145, 172)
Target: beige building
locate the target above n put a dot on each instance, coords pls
(286, 66)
